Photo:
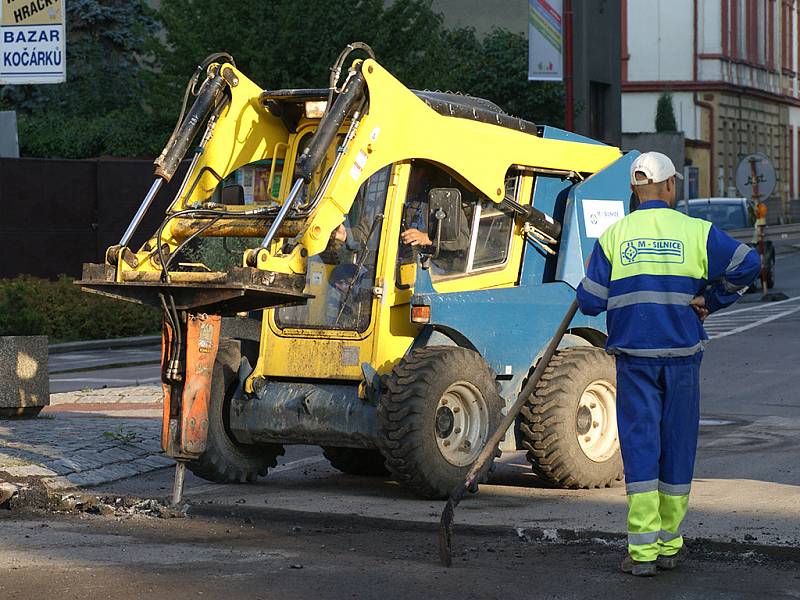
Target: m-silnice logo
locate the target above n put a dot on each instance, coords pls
(651, 250)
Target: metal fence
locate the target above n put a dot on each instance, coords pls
(57, 214)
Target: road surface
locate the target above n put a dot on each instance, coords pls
(271, 554)
(746, 483)
(94, 369)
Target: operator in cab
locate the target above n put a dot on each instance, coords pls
(416, 231)
(658, 273)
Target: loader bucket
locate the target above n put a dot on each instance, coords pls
(237, 290)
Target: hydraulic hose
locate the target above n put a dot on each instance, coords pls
(336, 70)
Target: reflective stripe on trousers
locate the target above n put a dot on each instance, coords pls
(654, 520)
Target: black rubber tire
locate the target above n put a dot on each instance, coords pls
(548, 422)
(407, 414)
(356, 461)
(225, 460)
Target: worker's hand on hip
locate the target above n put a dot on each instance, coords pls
(698, 303)
(415, 237)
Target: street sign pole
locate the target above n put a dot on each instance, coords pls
(755, 178)
(759, 224)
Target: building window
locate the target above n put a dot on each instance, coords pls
(742, 33)
(770, 34)
(790, 138)
(797, 158)
(787, 37)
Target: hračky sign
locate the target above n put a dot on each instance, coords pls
(32, 41)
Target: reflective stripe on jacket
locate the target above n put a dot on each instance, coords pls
(646, 268)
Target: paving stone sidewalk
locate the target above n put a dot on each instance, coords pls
(65, 450)
(142, 394)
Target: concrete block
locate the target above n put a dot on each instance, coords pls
(7, 490)
(24, 379)
(28, 471)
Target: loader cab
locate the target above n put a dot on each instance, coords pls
(362, 283)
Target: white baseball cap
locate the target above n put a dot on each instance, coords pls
(656, 167)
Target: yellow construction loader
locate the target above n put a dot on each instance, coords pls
(398, 259)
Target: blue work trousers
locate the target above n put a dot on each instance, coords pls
(658, 417)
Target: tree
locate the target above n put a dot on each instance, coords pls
(293, 43)
(496, 68)
(100, 109)
(290, 43)
(128, 64)
(665, 114)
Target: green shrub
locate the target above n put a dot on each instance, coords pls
(665, 114)
(60, 310)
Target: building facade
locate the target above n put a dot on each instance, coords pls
(732, 69)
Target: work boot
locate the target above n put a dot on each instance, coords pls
(670, 562)
(638, 567)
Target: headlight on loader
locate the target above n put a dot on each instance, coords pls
(316, 108)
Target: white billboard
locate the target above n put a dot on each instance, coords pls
(545, 40)
(32, 42)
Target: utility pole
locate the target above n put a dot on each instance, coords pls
(569, 109)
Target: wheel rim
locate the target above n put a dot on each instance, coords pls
(596, 421)
(461, 423)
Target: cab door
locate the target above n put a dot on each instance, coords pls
(333, 333)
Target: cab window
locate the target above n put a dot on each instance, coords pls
(342, 278)
(492, 230)
(479, 238)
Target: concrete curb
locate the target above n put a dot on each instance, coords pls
(129, 342)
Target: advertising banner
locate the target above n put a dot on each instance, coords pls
(32, 42)
(545, 37)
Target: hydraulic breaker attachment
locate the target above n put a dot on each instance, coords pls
(186, 369)
(187, 366)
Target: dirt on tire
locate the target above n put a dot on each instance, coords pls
(407, 414)
(548, 422)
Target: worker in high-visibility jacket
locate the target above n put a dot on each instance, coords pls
(659, 273)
